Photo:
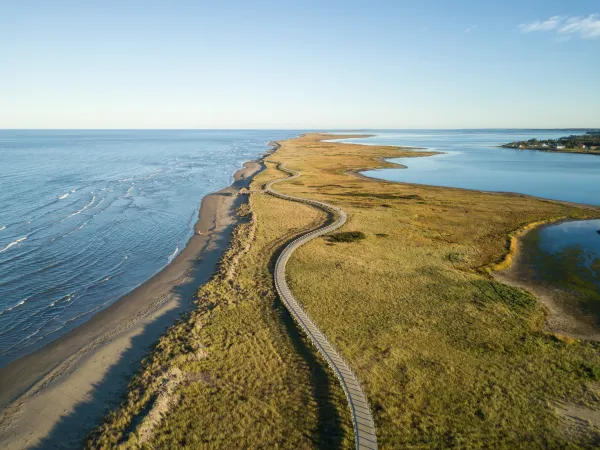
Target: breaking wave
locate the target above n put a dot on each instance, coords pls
(13, 243)
(12, 307)
(173, 255)
(82, 209)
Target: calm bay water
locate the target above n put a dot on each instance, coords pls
(86, 216)
(472, 160)
(582, 236)
(565, 255)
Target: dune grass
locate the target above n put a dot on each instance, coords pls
(248, 379)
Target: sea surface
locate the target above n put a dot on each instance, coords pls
(86, 216)
(471, 159)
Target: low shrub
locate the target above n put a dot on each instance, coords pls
(347, 236)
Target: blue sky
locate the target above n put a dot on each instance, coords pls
(299, 64)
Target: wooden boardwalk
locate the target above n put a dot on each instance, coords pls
(364, 429)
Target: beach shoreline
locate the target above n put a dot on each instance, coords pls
(78, 376)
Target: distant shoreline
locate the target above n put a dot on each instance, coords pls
(586, 144)
(426, 152)
(567, 150)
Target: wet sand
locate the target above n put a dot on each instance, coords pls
(53, 397)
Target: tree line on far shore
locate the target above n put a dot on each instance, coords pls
(588, 141)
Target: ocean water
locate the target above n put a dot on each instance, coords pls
(471, 159)
(86, 216)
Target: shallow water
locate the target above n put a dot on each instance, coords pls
(579, 235)
(86, 216)
(471, 159)
(567, 256)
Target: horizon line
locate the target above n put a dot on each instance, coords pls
(352, 129)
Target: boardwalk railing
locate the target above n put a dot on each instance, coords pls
(364, 429)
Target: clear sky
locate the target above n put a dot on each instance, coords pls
(299, 64)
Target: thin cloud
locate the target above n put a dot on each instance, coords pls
(551, 24)
(471, 28)
(586, 27)
(566, 27)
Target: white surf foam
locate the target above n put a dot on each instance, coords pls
(13, 243)
(78, 228)
(64, 299)
(172, 255)
(3, 228)
(12, 307)
(82, 209)
(18, 304)
(63, 196)
(152, 175)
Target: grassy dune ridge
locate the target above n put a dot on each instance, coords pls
(245, 377)
(447, 356)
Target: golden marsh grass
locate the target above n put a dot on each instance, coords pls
(448, 357)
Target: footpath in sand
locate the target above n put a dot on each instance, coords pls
(54, 396)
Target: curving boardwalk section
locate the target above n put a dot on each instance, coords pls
(364, 429)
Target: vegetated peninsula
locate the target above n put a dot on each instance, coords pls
(447, 355)
(576, 143)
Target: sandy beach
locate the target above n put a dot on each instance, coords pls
(54, 396)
